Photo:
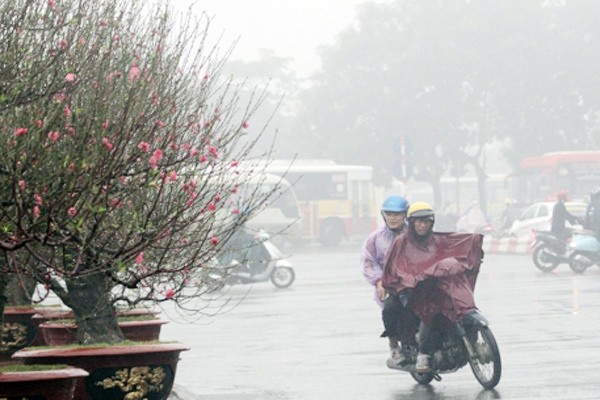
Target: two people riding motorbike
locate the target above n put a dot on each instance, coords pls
(433, 274)
(375, 247)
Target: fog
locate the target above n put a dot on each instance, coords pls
(471, 88)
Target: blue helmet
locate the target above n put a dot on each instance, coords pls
(395, 204)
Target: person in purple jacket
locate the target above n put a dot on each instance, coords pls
(373, 256)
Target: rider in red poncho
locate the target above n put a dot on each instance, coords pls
(437, 271)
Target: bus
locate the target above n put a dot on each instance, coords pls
(279, 211)
(280, 215)
(336, 201)
(540, 178)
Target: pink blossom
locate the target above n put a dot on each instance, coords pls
(158, 154)
(217, 197)
(236, 211)
(54, 136)
(156, 157)
(173, 176)
(211, 206)
(109, 146)
(144, 146)
(203, 158)
(36, 212)
(72, 211)
(20, 131)
(63, 43)
(70, 77)
(140, 258)
(115, 203)
(194, 152)
(39, 123)
(59, 97)
(245, 125)
(22, 184)
(105, 125)
(214, 240)
(67, 111)
(116, 38)
(170, 293)
(52, 4)
(212, 150)
(235, 163)
(134, 72)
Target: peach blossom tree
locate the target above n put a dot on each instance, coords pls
(122, 148)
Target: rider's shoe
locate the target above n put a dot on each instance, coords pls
(423, 363)
(396, 359)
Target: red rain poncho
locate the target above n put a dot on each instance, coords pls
(451, 259)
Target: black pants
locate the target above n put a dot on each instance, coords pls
(392, 310)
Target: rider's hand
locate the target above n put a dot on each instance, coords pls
(381, 293)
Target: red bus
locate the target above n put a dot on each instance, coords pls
(539, 178)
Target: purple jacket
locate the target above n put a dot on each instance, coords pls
(373, 255)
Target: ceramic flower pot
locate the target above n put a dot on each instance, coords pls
(118, 372)
(51, 384)
(61, 333)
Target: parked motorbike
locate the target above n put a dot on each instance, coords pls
(256, 259)
(584, 251)
(548, 251)
(472, 342)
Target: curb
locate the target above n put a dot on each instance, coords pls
(507, 245)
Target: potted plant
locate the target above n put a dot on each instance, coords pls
(122, 145)
(140, 328)
(57, 382)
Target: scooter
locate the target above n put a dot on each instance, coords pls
(584, 251)
(262, 261)
(548, 251)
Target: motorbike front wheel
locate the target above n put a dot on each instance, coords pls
(422, 379)
(577, 263)
(283, 277)
(486, 365)
(542, 260)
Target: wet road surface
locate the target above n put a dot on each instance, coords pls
(319, 339)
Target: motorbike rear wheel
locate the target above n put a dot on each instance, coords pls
(487, 365)
(283, 277)
(540, 259)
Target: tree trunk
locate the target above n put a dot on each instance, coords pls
(89, 298)
(3, 283)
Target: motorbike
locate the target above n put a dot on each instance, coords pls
(548, 251)
(584, 251)
(262, 261)
(439, 290)
(470, 341)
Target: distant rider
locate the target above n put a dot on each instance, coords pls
(559, 217)
(373, 255)
(592, 213)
